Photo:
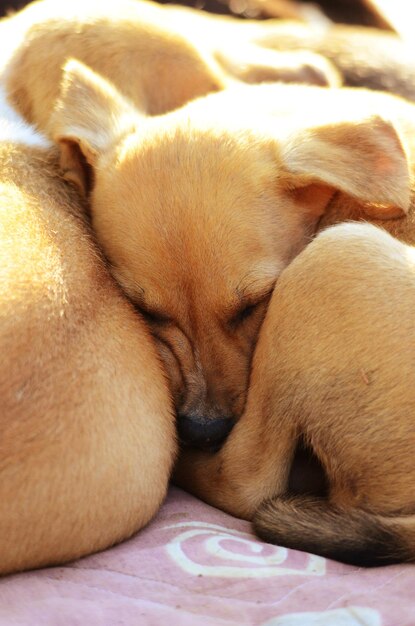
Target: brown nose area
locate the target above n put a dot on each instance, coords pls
(202, 432)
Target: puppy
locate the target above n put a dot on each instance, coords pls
(87, 437)
(199, 210)
(334, 365)
(139, 47)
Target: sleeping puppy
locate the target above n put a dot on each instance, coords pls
(87, 437)
(139, 47)
(199, 210)
(245, 193)
(179, 54)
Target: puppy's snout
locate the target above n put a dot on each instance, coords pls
(202, 432)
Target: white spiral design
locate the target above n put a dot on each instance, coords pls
(212, 550)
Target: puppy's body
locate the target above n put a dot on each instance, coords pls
(154, 66)
(139, 47)
(365, 57)
(179, 54)
(86, 431)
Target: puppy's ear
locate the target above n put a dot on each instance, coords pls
(364, 159)
(89, 117)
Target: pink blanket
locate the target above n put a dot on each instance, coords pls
(197, 566)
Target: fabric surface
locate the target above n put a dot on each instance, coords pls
(196, 566)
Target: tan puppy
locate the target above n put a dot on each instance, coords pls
(86, 430)
(199, 210)
(139, 47)
(174, 61)
(179, 53)
(335, 366)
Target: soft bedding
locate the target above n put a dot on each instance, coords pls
(196, 566)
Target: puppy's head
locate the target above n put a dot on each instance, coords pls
(198, 215)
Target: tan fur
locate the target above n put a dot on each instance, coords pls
(198, 211)
(140, 47)
(364, 57)
(334, 364)
(86, 429)
(85, 457)
(207, 351)
(244, 196)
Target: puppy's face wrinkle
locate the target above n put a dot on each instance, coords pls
(174, 340)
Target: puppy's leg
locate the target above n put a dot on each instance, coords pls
(256, 459)
(256, 64)
(253, 464)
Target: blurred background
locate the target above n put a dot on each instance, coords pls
(364, 12)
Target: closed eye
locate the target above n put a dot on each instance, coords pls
(153, 317)
(244, 313)
(249, 310)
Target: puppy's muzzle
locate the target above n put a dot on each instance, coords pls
(202, 432)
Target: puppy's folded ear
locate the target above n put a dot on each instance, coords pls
(361, 158)
(89, 117)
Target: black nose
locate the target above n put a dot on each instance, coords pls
(202, 432)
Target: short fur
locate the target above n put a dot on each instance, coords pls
(87, 436)
(85, 461)
(364, 57)
(137, 45)
(245, 194)
(334, 364)
(208, 361)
